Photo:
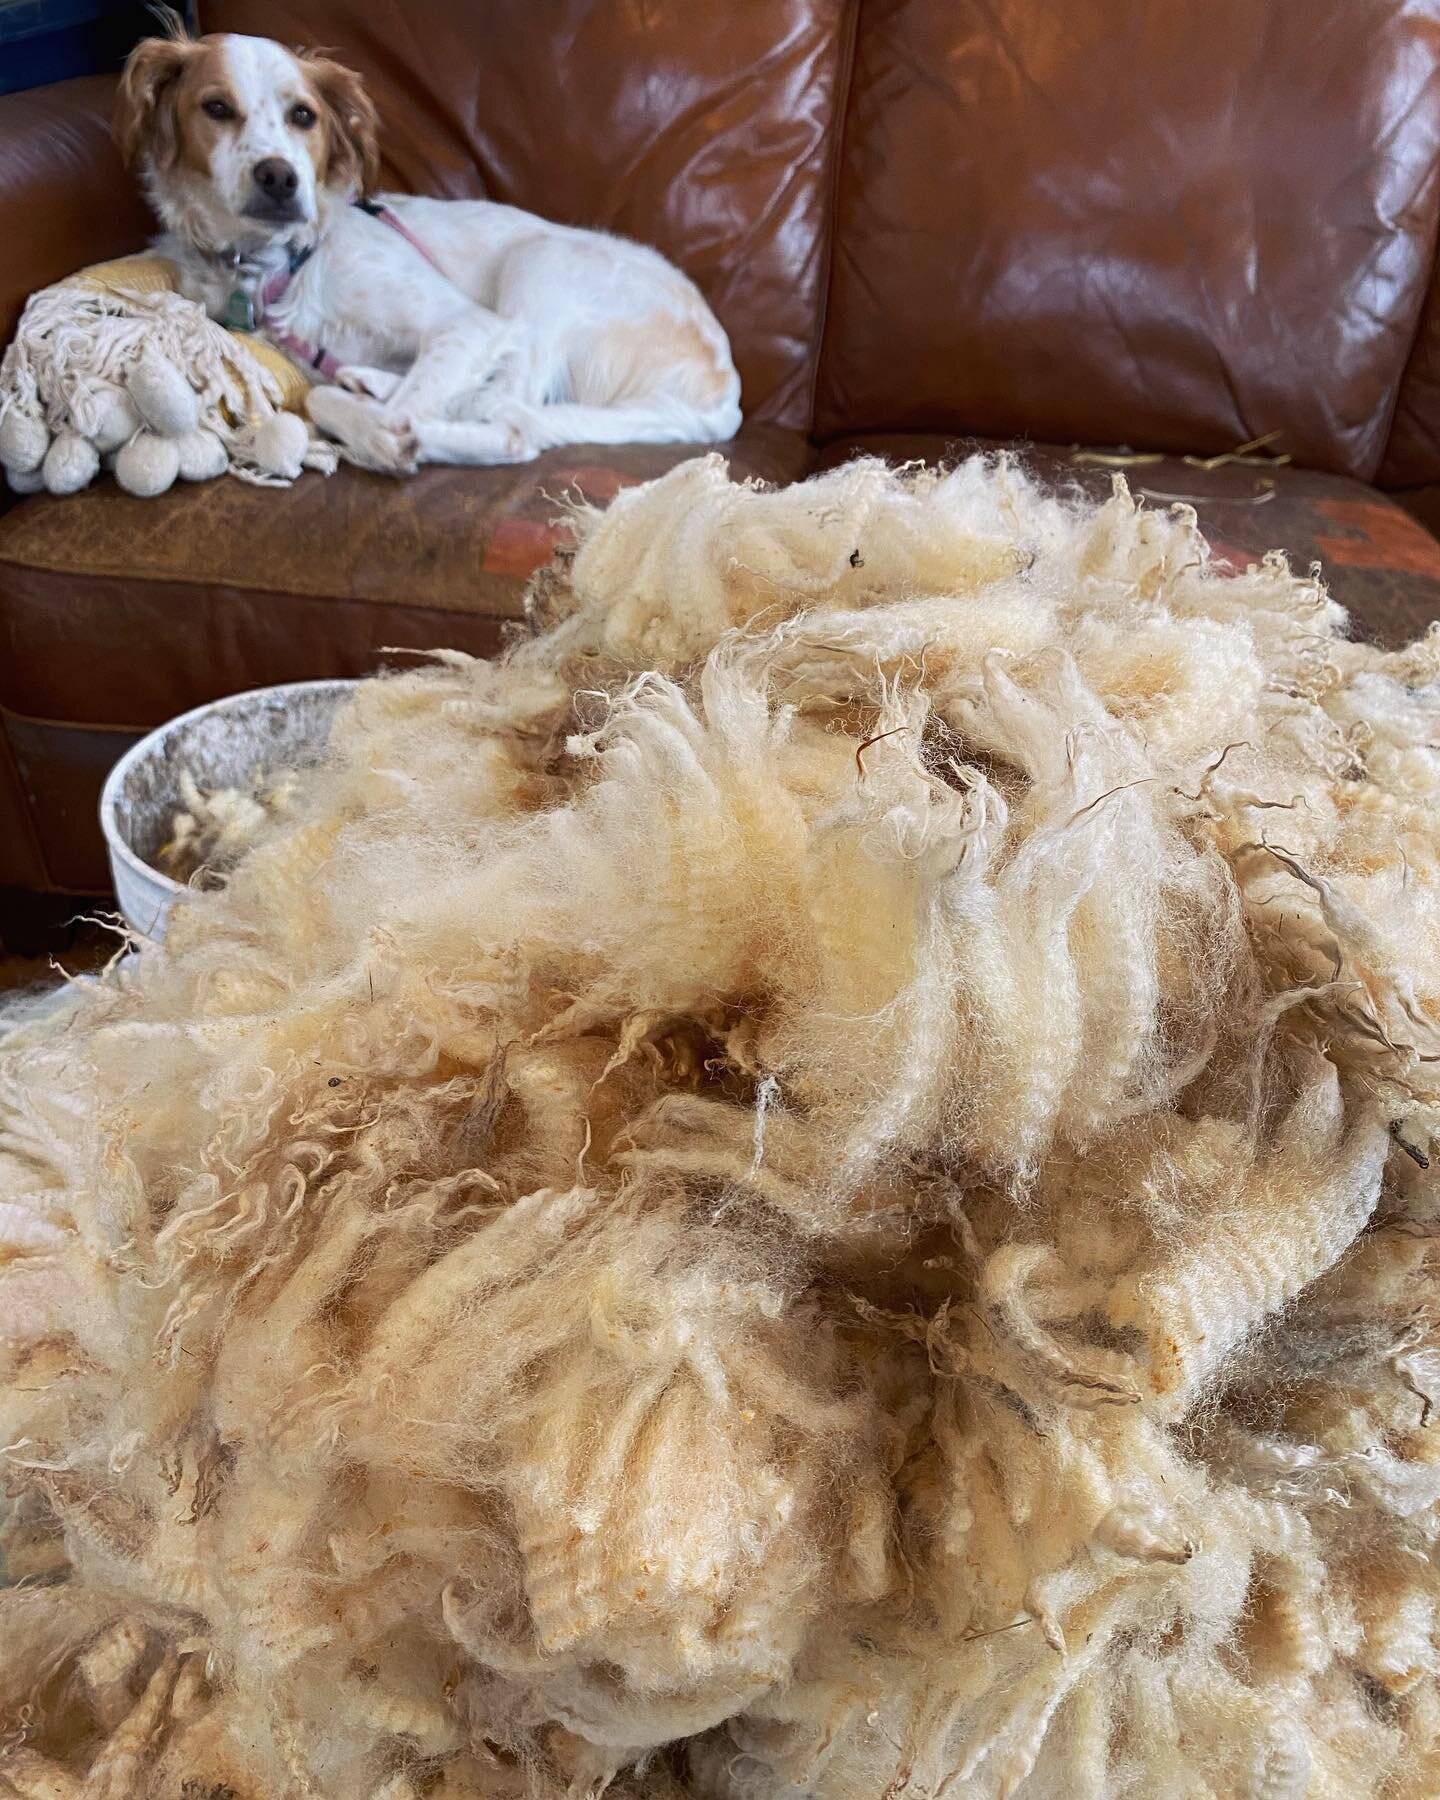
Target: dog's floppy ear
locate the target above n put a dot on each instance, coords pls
(352, 125)
(145, 123)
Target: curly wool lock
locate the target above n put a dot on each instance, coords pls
(815, 1184)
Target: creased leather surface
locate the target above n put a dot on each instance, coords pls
(117, 613)
(1170, 223)
(22, 862)
(1412, 451)
(701, 129)
(65, 199)
(61, 771)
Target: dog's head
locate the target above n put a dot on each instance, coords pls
(241, 140)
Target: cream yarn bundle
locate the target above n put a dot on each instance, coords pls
(819, 1183)
(112, 368)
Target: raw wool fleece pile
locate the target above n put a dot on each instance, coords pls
(816, 1184)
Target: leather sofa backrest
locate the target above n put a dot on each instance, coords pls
(1170, 223)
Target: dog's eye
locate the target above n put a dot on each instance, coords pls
(218, 109)
(302, 117)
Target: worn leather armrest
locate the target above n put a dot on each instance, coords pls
(65, 197)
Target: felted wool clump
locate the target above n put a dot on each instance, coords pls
(821, 1182)
(113, 367)
(217, 826)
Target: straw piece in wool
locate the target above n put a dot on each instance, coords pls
(820, 1182)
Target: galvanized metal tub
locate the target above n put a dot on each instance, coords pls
(221, 744)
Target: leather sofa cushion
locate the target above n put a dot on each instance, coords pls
(223, 586)
(1176, 226)
(705, 130)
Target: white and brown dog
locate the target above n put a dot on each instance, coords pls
(453, 331)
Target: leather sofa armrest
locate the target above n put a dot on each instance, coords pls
(65, 197)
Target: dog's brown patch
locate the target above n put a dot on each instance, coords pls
(675, 340)
(346, 146)
(205, 77)
(162, 90)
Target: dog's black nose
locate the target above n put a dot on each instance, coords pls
(275, 178)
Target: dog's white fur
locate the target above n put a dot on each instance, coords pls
(527, 335)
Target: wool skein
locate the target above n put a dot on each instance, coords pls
(148, 464)
(201, 455)
(71, 463)
(23, 442)
(116, 420)
(163, 397)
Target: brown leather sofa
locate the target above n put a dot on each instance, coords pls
(925, 223)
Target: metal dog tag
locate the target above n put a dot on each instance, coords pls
(240, 311)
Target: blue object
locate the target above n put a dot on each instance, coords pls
(51, 40)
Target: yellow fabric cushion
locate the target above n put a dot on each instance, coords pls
(153, 275)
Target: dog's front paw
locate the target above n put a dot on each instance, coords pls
(373, 384)
(405, 446)
(368, 437)
(389, 446)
